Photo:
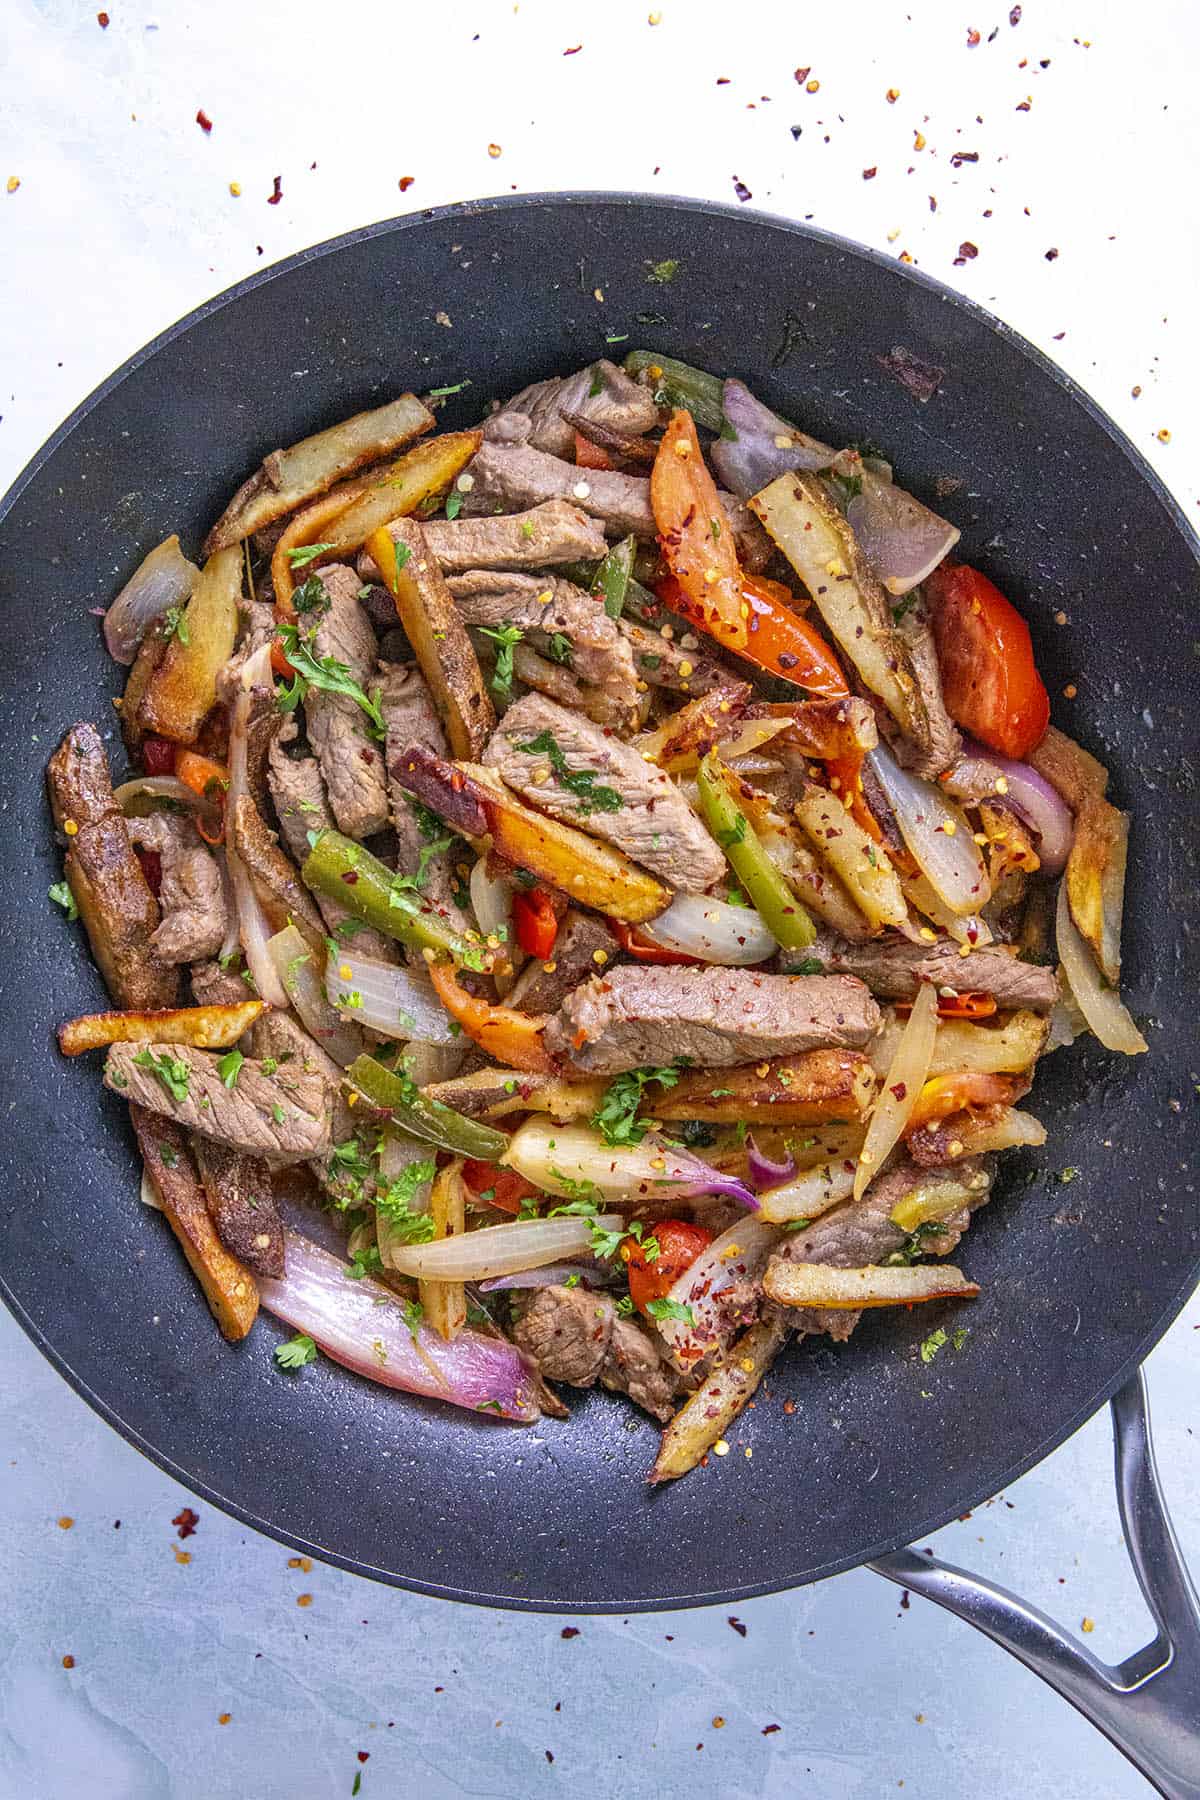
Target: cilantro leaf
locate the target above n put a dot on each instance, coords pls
(61, 895)
(454, 502)
(296, 1352)
(301, 555)
(577, 781)
(364, 1262)
(393, 1203)
(170, 1070)
(670, 1309)
(326, 674)
(174, 624)
(229, 1067)
(560, 649)
(615, 1117)
(506, 638)
(661, 273)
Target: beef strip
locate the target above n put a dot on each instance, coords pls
(861, 1233)
(257, 629)
(945, 741)
(411, 718)
(281, 893)
(893, 969)
(241, 1204)
(276, 1037)
(351, 761)
(535, 671)
(602, 394)
(514, 476)
(557, 531)
(548, 610)
(652, 822)
(574, 1335)
(583, 945)
(284, 1114)
(301, 806)
(190, 896)
(214, 986)
(716, 1017)
(118, 911)
(672, 662)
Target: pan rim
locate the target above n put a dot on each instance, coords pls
(1141, 468)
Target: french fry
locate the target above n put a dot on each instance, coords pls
(718, 1401)
(861, 865)
(310, 525)
(493, 1093)
(183, 687)
(445, 1302)
(815, 538)
(813, 1284)
(204, 1027)
(810, 1089)
(437, 634)
(289, 477)
(1008, 1048)
(228, 1286)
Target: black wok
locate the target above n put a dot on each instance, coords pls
(1078, 1280)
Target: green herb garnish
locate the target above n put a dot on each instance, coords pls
(506, 638)
(670, 1309)
(296, 1352)
(324, 673)
(61, 895)
(173, 1073)
(303, 554)
(581, 782)
(229, 1067)
(615, 1117)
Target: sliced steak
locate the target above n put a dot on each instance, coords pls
(893, 969)
(302, 805)
(556, 532)
(638, 809)
(190, 896)
(514, 477)
(575, 1336)
(945, 740)
(602, 394)
(715, 1017)
(421, 838)
(284, 1114)
(214, 986)
(584, 944)
(275, 880)
(351, 761)
(672, 662)
(241, 1204)
(119, 913)
(281, 1044)
(563, 622)
(257, 629)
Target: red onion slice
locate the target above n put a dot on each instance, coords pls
(764, 1171)
(1032, 797)
(163, 579)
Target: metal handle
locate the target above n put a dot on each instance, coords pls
(1148, 1705)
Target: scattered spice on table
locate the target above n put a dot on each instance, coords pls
(768, 1729)
(66, 1522)
(741, 190)
(735, 1624)
(494, 150)
(406, 182)
(203, 121)
(967, 252)
(187, 1521)
(224, 1718)
(570, 1631)
(276, 194)
(68, 1662)
(13, 183)
(870, 174)
(181, 1556)
(304, 1599)
(235, 188)
(102, 21)
(300, 1562)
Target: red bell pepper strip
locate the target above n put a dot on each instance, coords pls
(960, 1006)
(989, 678)
(210, 780)
(947, 1094)
(635, 945)
(589, 455)
(535, 920)
(778, 640)
(512, 1037)
(694, 534)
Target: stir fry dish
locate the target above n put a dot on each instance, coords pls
(588, 896)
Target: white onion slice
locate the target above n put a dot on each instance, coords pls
(163, 579)
(1100, 1005)
(491, 901)
(901, 1086)
(500, 1249)
(299, 974)
(964, 928)
(937, 833)
(397, 1153)
(712, 930)
(395, 1002)
(429, 1063)
(739, 1254)
(570, 1159)
(809, 1194)
(901, 539)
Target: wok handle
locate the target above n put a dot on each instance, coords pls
(1148, 1705)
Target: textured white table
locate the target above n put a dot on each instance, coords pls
(124, 220)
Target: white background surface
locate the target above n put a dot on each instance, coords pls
(123, 221)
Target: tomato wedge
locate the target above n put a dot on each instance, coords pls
(158, 756)
(694, 534)
(947, 1094)
(679, 1244)
(989, 678)
(535, 921)
(635, 945)
(959, 1006)
(497, 1186)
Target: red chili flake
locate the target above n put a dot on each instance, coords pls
(187, 1521)
(1014, 17)
(899, 1089)
(963, 156)
(972, 37)
(722, 81)
(1052, 256)
(364, 1756)
(735, 1624)
(967, 252)
(932, 203)
(276, 194)
(801, 75)
(350, 877)
(1025, 105)
(203, 120)
(570, 1631)
(550, 1753)
(406, 182)
(789, 1406)
(741, 190)
(904, 1600)
(768, 1729)
(573, 51)
(870, 174)
(102, 21)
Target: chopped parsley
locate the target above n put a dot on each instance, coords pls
(937, 1340)
(664, 272)
(506, 638)
(624, 1306)
(454, 504)
(915, 1246)
(735, 835)
(173, 1073)
(229, 1067)
(442, 393)
(903, 606)
(310, 596)
(848, 487)
(413, 1312)
(303, 554)
(560, 649)
(670, 1309)
(491, 1406)
(296, 1352)
(428, 823)
(401, 553)
(278, 1114)
(812, 965)
(596, 386)
(174, 624)
(364, 1262)
(582, 1194)
(616, 1116)
(324, 673)
(168, 1155)
(797, 1224)
(394, 1204)
(572, 1281)
(616, 337)
(61, 895)
(581, 782)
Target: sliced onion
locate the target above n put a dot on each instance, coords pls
(501, 1249)
(716, 932)
(739, 1254)
(901, 1086)
(1100, 1005)
(398, 1152)
(586, 1274)
(362, 1325)
(964, 928)
(1036, 801)
(901, 539)
(395, 1002)
(764, 1172)
(299, 974)
(937, 832)
(429, 1063)
(146, 1193)
(491, 900)
(572, 1160)
(754, 457)
(810, 1193)
(229, 943)
(163, 579)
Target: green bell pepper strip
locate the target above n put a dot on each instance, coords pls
(765, 887)
(612, 577)
(343, 871)
(680, 385)
(410, 1110)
